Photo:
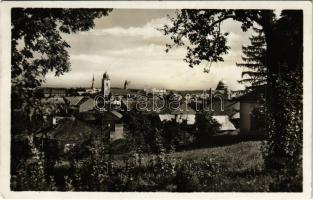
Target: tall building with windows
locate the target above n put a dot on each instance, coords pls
(106, 84)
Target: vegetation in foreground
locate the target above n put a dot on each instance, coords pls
(209, 169)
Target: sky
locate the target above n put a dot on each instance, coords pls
(127, 45)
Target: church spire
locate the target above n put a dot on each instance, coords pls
(93, 82)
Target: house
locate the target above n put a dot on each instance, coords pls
(110, 120)
(224, 121)
(87, 105)
(128, 104)
(87, 112)
(87, 126)
(71, 132)
(248, 102)
(114, 119)
(182, 113)
(74, 101)
(224, 112)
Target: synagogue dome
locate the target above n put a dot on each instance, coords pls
(222, 85)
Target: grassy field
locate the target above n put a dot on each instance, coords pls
(241, 164)
(237, 157)
(233, 158)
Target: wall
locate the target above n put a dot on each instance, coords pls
(118, 133)
(246, 108)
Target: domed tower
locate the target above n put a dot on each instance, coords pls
(106, 84)
(222, 85)
(224, 89)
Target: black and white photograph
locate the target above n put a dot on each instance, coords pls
(170, 100)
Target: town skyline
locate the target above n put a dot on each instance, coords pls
(138, 55)
(96, 83)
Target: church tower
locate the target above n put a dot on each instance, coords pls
(93, 83)
(106, 84)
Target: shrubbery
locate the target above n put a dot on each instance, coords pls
(158, 173)
(30, 173)
(206, 126)
(284, 143)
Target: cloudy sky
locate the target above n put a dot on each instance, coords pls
(128, 46)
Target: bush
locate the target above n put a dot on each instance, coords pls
(284, 143)
(30, 174)
(206, 126)
(196, 175)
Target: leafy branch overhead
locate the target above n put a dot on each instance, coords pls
(37, 44)
(199, 31)
(38, 47)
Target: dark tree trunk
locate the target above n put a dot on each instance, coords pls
(272, 95)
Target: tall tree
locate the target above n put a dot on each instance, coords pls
(199, 31)
(38, 47)
(253, 64)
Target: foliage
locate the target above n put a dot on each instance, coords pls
(283, 151)
(30, 173)
(38, 47)
(199, 30)
(254, 70)
(176, 134)
(285, 119)
(196, 175)
(143, 132)
(159, 173)
(258, 116)
(206, 126)
(206, 170)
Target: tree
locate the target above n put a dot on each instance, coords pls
(143, 132)
(206, 126)
(254, 73)
(199, 31)
(38, 47)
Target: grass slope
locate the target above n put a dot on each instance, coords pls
(234, 158)
(241, 164)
